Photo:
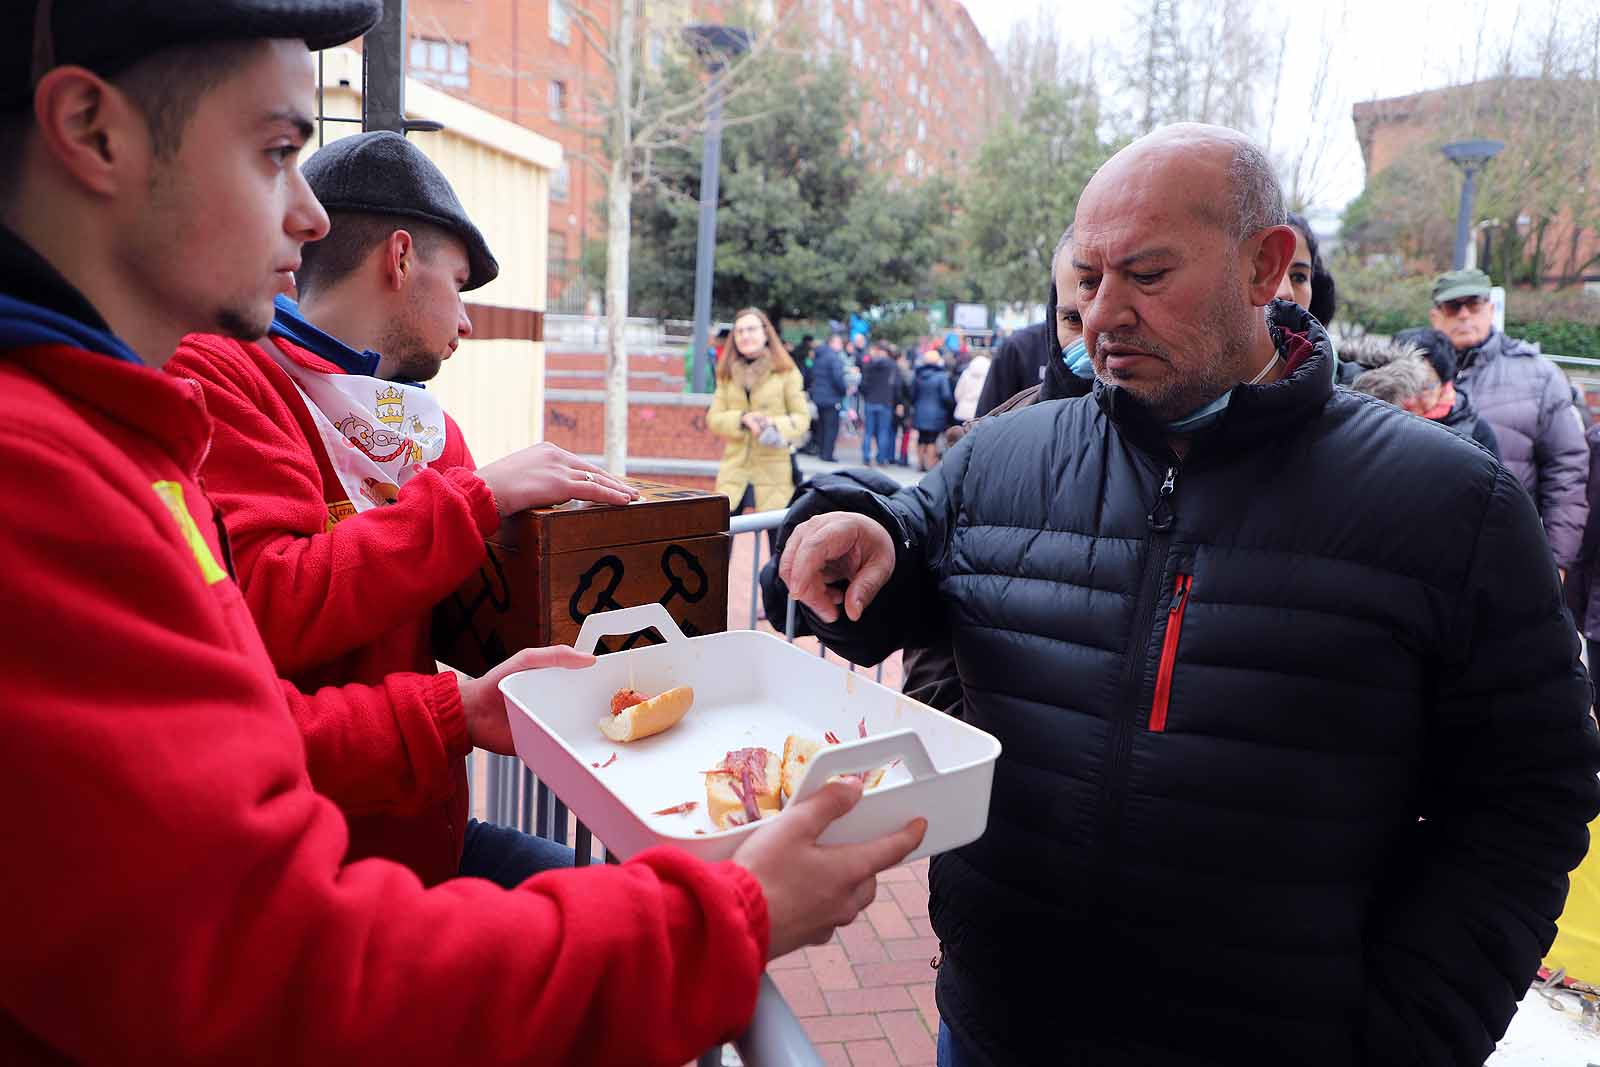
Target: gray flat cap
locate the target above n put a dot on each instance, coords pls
(382, 173)
(108, 36)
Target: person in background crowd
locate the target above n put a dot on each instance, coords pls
(828, 389)
(802, 356)
(198, 907)
(1031, 354)
(760, 408)
(1449, 406)
(1143, 588)
(1526, 399)
(903, 421)
(931, 402)
(880, 387)
(859, 326)
(342, 552)
(969, 386)
(1396, 373)
(1583, 584)
(717, 345)
(856, 354)
(1308, 281)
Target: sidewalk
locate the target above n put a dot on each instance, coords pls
(847, 455)
(866, 997)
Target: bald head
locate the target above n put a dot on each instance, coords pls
(1217, 174)
(1179, 241)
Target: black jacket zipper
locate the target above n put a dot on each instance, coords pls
(1113, 784)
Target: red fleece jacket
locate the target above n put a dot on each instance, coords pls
(174, 891)
(349, 600)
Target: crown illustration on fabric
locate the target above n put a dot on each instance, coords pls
(391, 406)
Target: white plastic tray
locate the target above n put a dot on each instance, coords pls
(750, 690)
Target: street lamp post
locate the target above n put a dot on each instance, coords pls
(1470, 156)
(716, 45)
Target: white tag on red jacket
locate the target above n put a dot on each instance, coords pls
(377, 434)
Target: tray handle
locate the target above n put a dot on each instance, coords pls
(864, 755)
(627, 621)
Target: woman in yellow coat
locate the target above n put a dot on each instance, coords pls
(760, 409)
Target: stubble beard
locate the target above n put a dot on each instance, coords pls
(412, 362)
(244, 323)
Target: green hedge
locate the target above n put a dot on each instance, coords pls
(1561, 337)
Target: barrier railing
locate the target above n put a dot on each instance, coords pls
(513, 796)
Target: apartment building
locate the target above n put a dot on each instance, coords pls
(929, 83)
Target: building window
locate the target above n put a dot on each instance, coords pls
(911, 83)
(855, 50)
(560, 183)
(558, 100)
(924, 55)
(560, 22)
(922, 132)
(440, 62)
(825, 18)
(861, 10)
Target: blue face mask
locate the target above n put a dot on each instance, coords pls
(1208, 414)
(1076, 357)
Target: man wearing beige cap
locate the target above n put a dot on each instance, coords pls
(1527, 400)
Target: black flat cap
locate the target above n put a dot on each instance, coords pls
(382, 173)
(108, 36)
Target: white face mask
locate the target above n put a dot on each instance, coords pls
(377, 434)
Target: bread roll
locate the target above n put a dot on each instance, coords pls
(649, 717)
(743, 788)
(797, 754)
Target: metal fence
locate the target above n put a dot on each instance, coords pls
(513, 796)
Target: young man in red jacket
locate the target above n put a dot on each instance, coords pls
(352, 501)
(196, 907)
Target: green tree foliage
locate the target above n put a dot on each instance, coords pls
(804, 227)
(1024, 189)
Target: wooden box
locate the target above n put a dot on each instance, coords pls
(548, 570)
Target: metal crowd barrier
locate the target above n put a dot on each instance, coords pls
(513, 796)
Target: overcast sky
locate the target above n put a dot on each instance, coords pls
(1385, 48)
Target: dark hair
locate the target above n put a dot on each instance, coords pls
(1436, 346)
(166, 87)
(351, 238)
(1324, 294)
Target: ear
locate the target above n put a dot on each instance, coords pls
(92, 131)
(1269, 262)
(399, 259)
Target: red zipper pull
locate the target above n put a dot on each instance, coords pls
(1169, 652)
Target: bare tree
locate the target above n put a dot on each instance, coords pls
(624, 118)
(1305, 164)
(632, 116)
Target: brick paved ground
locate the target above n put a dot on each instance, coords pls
(866, 997)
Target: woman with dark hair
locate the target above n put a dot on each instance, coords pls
(760, 409)
(1308, 282)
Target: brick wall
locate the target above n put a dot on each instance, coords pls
(661, 431)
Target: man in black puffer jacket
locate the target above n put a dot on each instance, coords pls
(1297, 752)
